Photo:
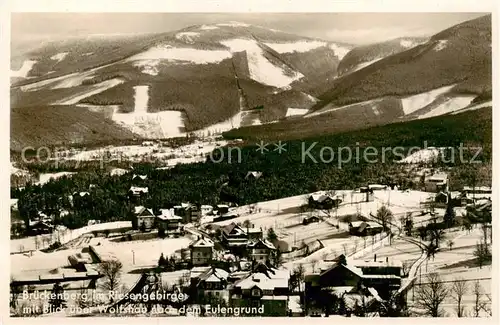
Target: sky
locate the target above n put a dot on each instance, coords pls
(352, 28)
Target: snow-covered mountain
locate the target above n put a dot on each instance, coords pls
(196, 78)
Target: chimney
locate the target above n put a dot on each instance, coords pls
(374, 257)
(387, 259)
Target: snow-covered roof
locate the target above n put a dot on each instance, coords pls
(202, 242)
(264, 242)
(143, 177)
(438, 177)
(486, 189)
(137, 190)
(140, 209)
(254, 174)
(168, 214)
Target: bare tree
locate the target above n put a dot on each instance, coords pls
(450, 244)
(479, 303)
(314, 263)
(345, 247)
(430, 295)
(458, 290)
(111, 270)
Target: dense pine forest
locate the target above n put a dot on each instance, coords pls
(284, 174)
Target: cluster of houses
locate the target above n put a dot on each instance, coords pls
(371, 282)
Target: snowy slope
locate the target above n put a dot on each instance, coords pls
(24, 70)
(300, 46)
(164, 124)
(260, 68)
(416, 102)
(451, 105)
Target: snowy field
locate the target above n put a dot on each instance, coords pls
(423, 155)
(451, 105)
(296, 111)
(365, 64)
(474, 107)
(44, 178)
(339, 50)
(92, 90)
(328, 109)
(163, 124)
(414, 103)
(260, 68)
(59, 56)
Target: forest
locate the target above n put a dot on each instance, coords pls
(284, 174)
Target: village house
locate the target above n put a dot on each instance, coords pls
(189, 212)
(136, 193)
(202, 251)
(364, 228)
(139, 179)
(145, 218)
(234, 235)
(208, 282)
(265, 287)
(260, 250)
(167, 220)
(436, 183)
(324, 201)
(310, 219)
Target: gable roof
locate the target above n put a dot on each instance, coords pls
(253, 174)
(143, 212)
(231, 227)
(202, 242)
(260, 243)
(143, 177)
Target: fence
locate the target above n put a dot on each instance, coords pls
(27, 244)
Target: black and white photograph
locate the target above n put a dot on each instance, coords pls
(251, 164)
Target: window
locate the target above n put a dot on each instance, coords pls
(256, 292)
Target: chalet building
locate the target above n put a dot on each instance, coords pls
(253, 175)
(437, 183)
(383, 277)
(324, 201)
(137, 192)
(189, 212)
(222, 209)
(78, 198)
(260, 250)
(145, 217)
(206, 209)
(266, 288)
(40, 227)
(310, 219)
(364, 228)
(167, 220)
(234, 235)
(202, 251)
(207, 282)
